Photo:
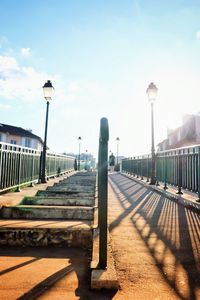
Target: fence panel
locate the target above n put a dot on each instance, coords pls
(178, 167)
(20, 165)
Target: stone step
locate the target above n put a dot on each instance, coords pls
(46, 232)
(78, 184)
(42, 200)
(47, 212)
(59, 194)
(71, 188)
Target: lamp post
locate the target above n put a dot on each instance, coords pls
(48, 90)
(152, 93)
(117, 140)
(86, 159)
(79, 151)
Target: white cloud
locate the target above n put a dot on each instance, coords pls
(18, 82)
(25, 52)
(5, 106)
(198, 35)
(8, 64)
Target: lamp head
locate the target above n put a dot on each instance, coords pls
(48, 90)
(152, 92)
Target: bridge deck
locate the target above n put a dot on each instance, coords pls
(156, 242)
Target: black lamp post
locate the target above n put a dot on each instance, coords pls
(79, 152)
(117, 140)
(86, 158)
(152, 93)
(48, 90)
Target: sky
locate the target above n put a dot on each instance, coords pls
(101, 56)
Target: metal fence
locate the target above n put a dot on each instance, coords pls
(178, 167)
(21, 165)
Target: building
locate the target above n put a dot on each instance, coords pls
(186, 135)
(19, 136)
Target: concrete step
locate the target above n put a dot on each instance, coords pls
(47, 212)
(75, 184)
(64, 194)
(72, 188)
(46, 232)
(42, 200)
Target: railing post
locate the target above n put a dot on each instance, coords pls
(19, 171)
(179, 173)
(103, 192)
(141, 168)
(198, 200)
(1, 171)
(147, 168)
(32, 169)
(40, 167)
(165, 172)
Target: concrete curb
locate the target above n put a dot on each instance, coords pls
(180, 199)
(102, 279)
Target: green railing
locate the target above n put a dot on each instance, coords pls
(178, 167)
(103, 192)
(20, 165)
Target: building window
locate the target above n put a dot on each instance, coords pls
(13, 142)
(28, 142)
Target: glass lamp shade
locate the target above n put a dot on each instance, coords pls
(152, 92)
(48, 90)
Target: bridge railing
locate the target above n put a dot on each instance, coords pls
(178, 167)
(21, 165)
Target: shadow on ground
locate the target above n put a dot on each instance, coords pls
(170, 231)
(47, 272)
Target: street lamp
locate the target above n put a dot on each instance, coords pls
(48, 90)
(117, 140)
(79, 151)
(152, 93)
(86, 159)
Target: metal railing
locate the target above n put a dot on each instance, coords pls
(178, 167)
(21, 165)
(103, 192)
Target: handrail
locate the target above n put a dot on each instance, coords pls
(103, 192)
(179, 167)
(21, 165)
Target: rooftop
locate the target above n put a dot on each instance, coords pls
(18, 131)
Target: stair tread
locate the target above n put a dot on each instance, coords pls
(54, 207)
(50, 223)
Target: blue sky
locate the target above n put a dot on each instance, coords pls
(100, 57)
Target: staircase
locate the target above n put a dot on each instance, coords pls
(62, 215)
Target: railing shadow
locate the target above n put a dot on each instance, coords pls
(68, 261)
(171, 233)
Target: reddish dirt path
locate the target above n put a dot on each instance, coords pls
(156, 243)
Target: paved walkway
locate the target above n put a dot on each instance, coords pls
(156, 246)
(156, 243)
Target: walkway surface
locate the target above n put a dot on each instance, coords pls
(156, 243)
(156, 246)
